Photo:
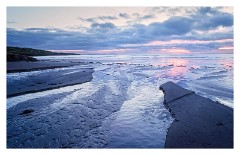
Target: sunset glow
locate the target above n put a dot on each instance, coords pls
(176, 51)
(172, 42)
(226, 48)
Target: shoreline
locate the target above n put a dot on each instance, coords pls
(33, 69)
(23, 66)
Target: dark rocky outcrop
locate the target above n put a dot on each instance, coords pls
(26, 112)
(199, 122)
(18, 57)
(25, 54)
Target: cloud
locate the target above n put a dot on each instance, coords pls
(209, 18)
(124, 15)
(226, 48)
(139, 18)
(177, 42)
(96, 19)
(203, 29)
(90, 20)
(206, 10)
(173, 11)
(202, 18)
(150, 16)
(172, 26)
(102, 27)
(11, 22)
(46, 30)
(176, 50)
(107, 17)
(136, 14)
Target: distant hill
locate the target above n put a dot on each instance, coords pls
(32, 52)
(25, 54)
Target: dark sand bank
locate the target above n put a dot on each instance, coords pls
(23, 66)
(199, 122)
(47, 79)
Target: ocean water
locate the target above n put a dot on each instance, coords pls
(209, 75)
(125, 89)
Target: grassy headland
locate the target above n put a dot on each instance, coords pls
(25, 54)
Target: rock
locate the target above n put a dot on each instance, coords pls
(173, 91)
(18, 57)
(199, 122)
(220, 124)
(26, 112)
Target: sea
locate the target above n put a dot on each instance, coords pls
(210, 75)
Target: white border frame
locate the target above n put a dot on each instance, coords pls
(103, 3)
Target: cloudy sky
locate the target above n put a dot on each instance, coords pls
(151, 30)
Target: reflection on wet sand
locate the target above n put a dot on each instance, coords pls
(179, 67)
(226, 64)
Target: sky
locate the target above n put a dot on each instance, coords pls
(122, 30)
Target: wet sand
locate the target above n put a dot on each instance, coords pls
(77, 118)
(23, 66)
(47, 78)
(61, 121)
(199, 122)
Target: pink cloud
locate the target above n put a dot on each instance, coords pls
(174, 42)
(158, 43)
(226, 48)
(176, 50)
(170, 51)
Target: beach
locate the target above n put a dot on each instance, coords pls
(144, 78)
(96, 101)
